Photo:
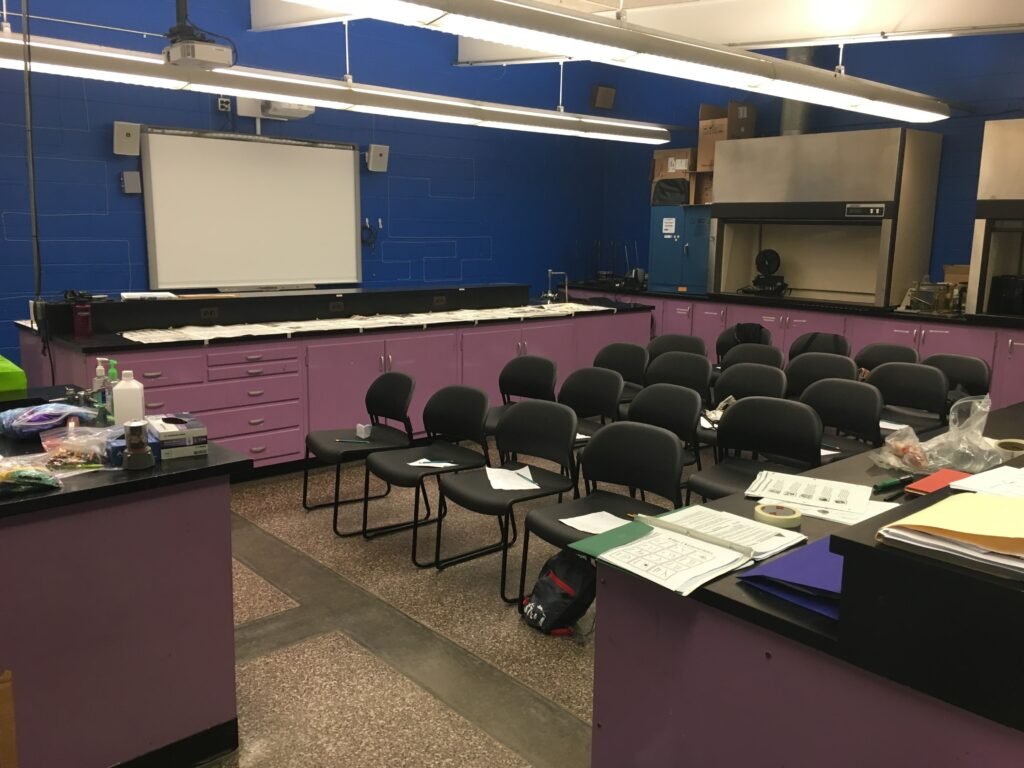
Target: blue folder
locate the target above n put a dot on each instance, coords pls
(810, 577)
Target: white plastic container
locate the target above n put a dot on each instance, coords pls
(129, 403)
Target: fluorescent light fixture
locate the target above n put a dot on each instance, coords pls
(557, 32)
(58, 57)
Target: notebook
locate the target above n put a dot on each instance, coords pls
(810, 577)
(936, 481)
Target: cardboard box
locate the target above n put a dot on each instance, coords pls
(672, 163)
(8, 741)
(737, 121)
(702, 189)
(956, 273)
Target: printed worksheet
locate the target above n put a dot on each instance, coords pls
(762, 539)
(810, 491)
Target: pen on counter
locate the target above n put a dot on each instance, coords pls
(344, 440)
(828, 447)
(892, 482)
(894, 496)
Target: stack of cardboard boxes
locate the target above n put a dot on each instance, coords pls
(736, 121)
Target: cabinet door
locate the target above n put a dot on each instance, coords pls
(593, 332)
(339, 374)
(657, 314)
(677, 317)
(769, 317)
(665, 257)
(696, 244)
(431, 358)
(942, 339)
(708, 323)
(555, 341)
(1008, 371)
(862, 331)
(798, 323)
(485, 352)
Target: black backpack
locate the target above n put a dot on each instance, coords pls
(564, 591)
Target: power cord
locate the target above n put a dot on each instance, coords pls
(368, 237)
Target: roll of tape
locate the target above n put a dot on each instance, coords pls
(1015, 445)
(777, 514)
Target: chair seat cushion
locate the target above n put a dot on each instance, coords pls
(923, 423)
(588, 427)
(629, 391)
(731, 475)
(325, 445)
(393, 466)
(707, 436)
(546, 521)
(472, 490)
(494, 414)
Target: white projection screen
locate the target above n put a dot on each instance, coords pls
(235, 211)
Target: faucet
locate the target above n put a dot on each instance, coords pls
(549, 296)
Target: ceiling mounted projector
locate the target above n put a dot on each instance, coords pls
(199, 55)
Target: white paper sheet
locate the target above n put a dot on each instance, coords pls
(510, 480)
(581, 436)
(706, 423)
(810, 491)
(844, 517)
(1001, 481)
(429, 463)
(763, 540)
(890, 425)
(595, 522)
(828, 452)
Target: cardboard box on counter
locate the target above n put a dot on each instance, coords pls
(737, 121)
(673, 163)
(702, 189)
(174, 430)
(956, 273)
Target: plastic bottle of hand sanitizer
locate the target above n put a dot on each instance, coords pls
(129, 403)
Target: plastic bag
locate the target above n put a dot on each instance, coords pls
(26, 422)
(962, 447)
(78, 447)
(17, 477)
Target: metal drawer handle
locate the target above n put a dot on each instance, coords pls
(933, 330)
(154, 405)
(253, 358)
(255, 371)
(152, 374)
(255, 392)
(260, 449)
(900, 330)
(256, 422)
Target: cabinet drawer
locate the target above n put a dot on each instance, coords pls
(245, 421)
(163, 371)
(253, 355)
(225, 394)
(266, 446)
(253, 370)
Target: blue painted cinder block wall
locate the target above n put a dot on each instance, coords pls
(458, 204)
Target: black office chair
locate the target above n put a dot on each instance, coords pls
(630, 361)
(788, 431)
(752, 353)
(686, 369)
(387, 398)
(741, 333)
(874, 355)
(530, 428)
(744, 380)
(967, 375)
(914, 395)
(641, 457)
(452, 415)
(852, 409)
(809, 367)
(675, 342)
(593, 394)
(528, 377)
(829, 343)
(674, 408)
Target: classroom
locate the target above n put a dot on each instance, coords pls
(609, 383)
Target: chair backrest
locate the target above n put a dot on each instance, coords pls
(912, 385)
(538, 428)
(750, 379)
(784, 429)
(971, 374)
(810, 367)
(686, 369)
(831, 343)
(852, 407)
(592, 392)
(456, 413)
(753, 353)
(388, 398)
(874, 355)
(639, 456)
(528, 376)
(675, 342)
(741, 333)
(669, 406)
(630, 360)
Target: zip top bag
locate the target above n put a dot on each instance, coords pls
(563, 593)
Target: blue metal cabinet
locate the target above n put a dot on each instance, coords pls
(680, 238)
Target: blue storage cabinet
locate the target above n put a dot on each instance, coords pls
(680, 239)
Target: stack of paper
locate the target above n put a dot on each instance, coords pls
(845, 503)
(971, 528)
(1001, 481)
(510, 479)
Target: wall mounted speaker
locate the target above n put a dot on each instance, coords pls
(602, 97)
(377, 157)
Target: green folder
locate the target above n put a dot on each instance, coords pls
(597, 545)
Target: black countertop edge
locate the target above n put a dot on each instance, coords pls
(114, 342)
(995, 321)
(103, 484)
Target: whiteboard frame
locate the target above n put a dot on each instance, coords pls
(227, 136)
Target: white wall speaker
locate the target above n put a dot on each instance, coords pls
(377, 158)
(126, 138)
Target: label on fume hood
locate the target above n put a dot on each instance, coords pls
(676, 164)
(668, 226)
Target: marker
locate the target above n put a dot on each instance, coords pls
(342, 440)
(892, 482)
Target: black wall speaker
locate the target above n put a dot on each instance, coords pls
(602, 97)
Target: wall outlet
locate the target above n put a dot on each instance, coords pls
(336, 306)
(208, 313)
(223, 103)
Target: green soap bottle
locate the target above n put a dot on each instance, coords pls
(111, 381)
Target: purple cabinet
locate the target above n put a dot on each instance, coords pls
(800, 322)
(676, 317)
(485, 352)
(339, 372)
(431, 358)
(947, 339)
(556, 341)
(708, 323)
(862, 331)
(771, 318)
(1008, 371)
(595, 331)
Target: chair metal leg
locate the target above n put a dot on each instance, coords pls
(522, 570)
(440, 563)
(337, 501)
(510, 516)
(421, 489)
(687, 502)
(384, 530)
